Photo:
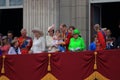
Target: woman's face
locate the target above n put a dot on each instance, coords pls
(51, 32)
(5, 40)
(75, 36)
(36, 34)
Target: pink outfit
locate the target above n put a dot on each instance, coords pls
(5, 49)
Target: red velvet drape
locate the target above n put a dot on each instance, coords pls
(65, 66)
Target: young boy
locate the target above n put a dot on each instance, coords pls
(93, 45)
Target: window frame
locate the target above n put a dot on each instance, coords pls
(8, 6)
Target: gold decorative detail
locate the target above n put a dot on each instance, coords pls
(49, 67)
(49, 76)
(3, 77)
(3, 65)
(96, 76)
(95, 64)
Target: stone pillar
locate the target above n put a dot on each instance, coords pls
(40, 13)
(75, 12)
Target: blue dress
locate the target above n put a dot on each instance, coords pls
(92, 46)
(0, 52)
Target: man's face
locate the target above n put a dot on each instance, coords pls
(108, 32)
(70, 30)
(61, 27)
(64, 28)
(96, 28)
(10, 35)
(23, 33)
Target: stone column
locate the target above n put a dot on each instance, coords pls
(75, 12)
(40, 13)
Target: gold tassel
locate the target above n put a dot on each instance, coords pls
(3, 65)
(49, 76)
(95, 64)
(96, 75)
(49, 67)
(3, 77)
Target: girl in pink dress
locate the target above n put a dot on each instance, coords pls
(5, 45)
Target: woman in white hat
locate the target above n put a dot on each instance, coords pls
(49, 38)
(38, 42)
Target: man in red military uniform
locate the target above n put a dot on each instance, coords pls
(101, 43)
(69, 36)
(25, 42)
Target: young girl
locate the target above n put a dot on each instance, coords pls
(58, 44)
(14, 49)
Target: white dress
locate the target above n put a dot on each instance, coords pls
(49, 43)
(38, 45)
(49, 40)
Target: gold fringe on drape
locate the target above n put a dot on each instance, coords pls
(96, 75)
(49, 76)
(3, 77)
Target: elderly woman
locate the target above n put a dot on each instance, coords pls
(38, 42)
(76, 43)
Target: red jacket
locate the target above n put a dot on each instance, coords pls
(101, 41)
(25, 44)
(67, 41)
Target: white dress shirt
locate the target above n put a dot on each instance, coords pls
(38, 45)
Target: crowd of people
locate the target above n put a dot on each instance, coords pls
(103, 39)
(62, 40)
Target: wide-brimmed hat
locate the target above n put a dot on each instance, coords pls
(37, 29)
(4, 37)
(76, 31)
(50, 28)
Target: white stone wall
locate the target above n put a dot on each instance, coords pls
(40, 13)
